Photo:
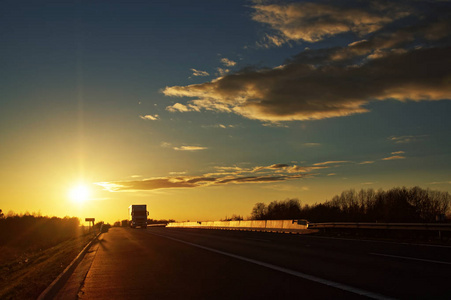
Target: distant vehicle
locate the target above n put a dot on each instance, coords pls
(138, 215)
(301, 222)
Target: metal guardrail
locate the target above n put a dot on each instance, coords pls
(397, 226)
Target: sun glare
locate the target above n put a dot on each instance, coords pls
(79, 193)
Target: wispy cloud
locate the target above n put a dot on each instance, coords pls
(224, 175)
(177, 173)
(199, 73)
(398, 152)
(227, 62)
(366, 162)
(406, 139)
(331, 162)
(150, 117)
(189, 182)
(190, 148)
(394, 157)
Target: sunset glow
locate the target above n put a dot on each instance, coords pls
(200, 110)
(79, 194)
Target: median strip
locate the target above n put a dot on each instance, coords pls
(287, 271)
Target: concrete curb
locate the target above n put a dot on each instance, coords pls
(53, 289)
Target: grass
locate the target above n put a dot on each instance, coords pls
(25, 275)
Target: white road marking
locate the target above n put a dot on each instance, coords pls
(287, 271)
(413, 258)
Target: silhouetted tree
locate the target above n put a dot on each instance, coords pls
(395, 205)
(284, 210)
(259, 211)
(1, 214)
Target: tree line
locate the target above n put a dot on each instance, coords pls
(34, 232)
(394, 205)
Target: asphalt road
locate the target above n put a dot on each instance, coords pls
(170, 263)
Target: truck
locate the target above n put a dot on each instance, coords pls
(138, 215)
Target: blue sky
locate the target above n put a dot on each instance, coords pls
(201, 109)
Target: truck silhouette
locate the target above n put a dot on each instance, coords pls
(138, 215)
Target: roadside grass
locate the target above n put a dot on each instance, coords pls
(25, 275)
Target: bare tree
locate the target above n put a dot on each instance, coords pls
(259, 211)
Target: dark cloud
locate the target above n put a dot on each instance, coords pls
(405, 57)
(304, 92)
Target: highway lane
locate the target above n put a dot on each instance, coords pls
(164, 263)
(391, 269)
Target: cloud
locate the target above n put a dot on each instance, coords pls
(305, 92)
(199, 73)
(394, 157)
(178, 107)
(189, 148)
(189, 182)
(406, 139)
(389, 59)
(223, 126)
(398, 152)
(227, 62)
(150, 117)
(222, 71)
(177, 173)
(312, 22)
(366, 162)
(331, 162)
(225, 175)
(280, 168)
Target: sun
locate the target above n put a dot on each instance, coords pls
(79, 193)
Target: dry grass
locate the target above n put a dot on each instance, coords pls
(24, 275)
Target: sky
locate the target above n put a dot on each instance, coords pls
(200, 109)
